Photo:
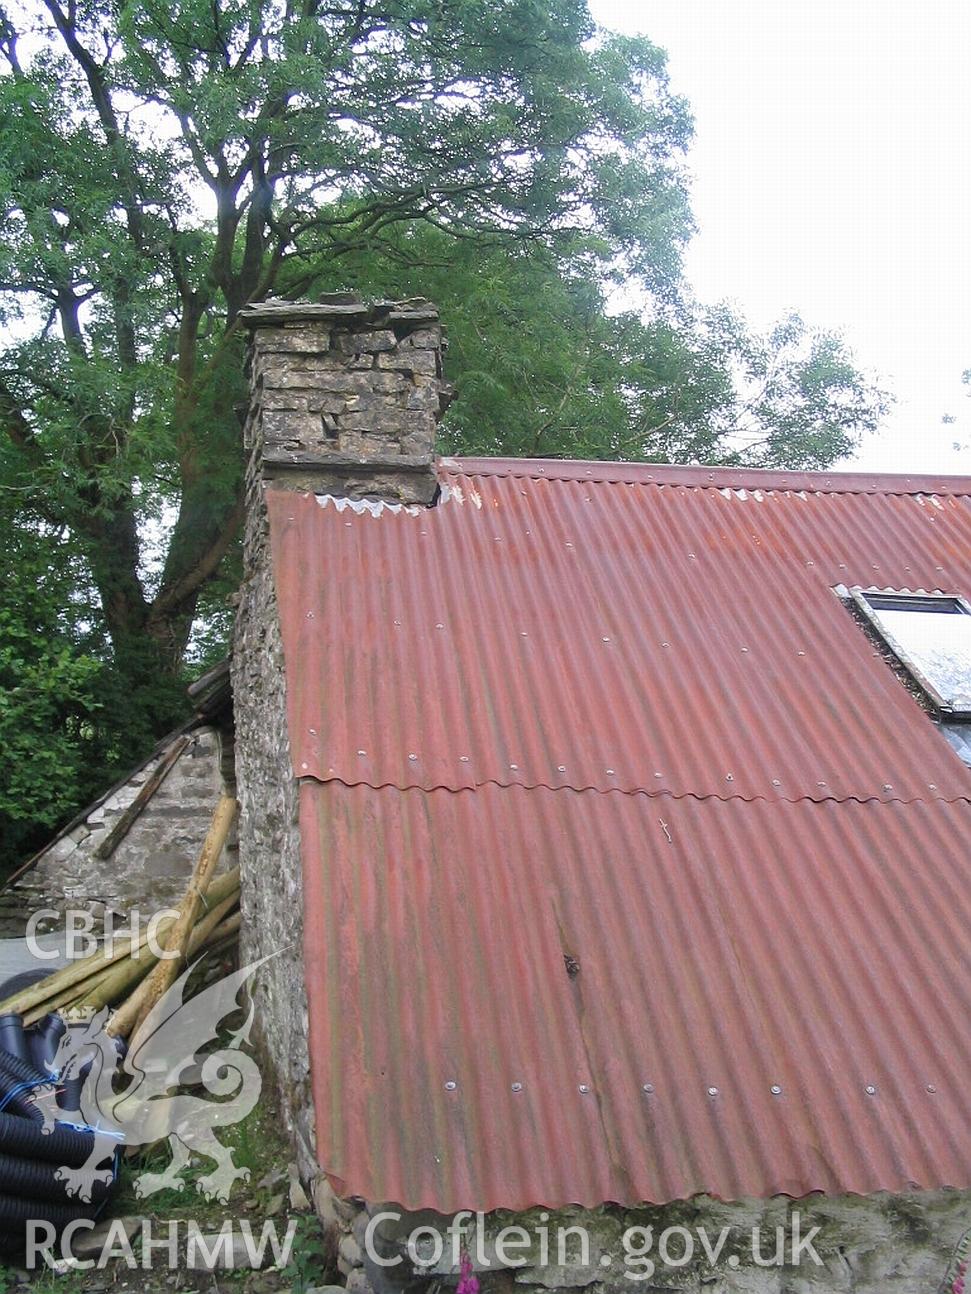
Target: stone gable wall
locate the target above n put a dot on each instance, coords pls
(151, 865)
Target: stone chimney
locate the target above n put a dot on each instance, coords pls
(345, 397)
(344, 400)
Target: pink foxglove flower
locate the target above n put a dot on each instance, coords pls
(468, 1281)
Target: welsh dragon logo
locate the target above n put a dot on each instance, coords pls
(136, 1100)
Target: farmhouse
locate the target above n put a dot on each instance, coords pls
(613, 820)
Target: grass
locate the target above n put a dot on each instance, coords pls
(258, 1145)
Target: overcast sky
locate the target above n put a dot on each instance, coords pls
(832, 174)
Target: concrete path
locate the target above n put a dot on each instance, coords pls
(15, 956)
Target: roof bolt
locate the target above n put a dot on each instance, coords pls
(800, 653)
(820, 783)
(931, 1088)
(744, 649)
(523, 633)
(729, 777)
(870, 1090)
(362, 752)
(312, 731)
(776, 782)
(412, 757)
(584, 1088)
(713, 1091)
(451, 1085)
(609, 772)
(463, 759)
(396, 622)
(517, 1087)
(932, 787)
(648, 1088)
(514, 767)
(561, 768)
(887, 786)
(665, 644)
(439, 626)
(605, 640)
(775, 1089)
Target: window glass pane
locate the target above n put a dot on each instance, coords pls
(936, 644)
(959, 735)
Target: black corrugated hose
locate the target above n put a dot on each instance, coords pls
(30, 1158)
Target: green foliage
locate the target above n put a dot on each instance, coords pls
(162, 164)
(309, 1260)
(50, 672)
(542, 370)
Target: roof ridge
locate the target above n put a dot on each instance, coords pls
(708, 477)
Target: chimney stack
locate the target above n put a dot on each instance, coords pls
(345, 397)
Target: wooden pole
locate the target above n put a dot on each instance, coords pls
(123, 978)
(151, 989)
(43, 993)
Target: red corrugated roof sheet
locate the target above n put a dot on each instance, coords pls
(617, 714)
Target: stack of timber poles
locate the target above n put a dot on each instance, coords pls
(130, 977)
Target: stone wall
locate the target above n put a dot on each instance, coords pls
(150, 866)
(269, 844)
(880, 1244)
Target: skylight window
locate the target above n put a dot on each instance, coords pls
(930, 634)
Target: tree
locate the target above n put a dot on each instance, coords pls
(541, 368)
(164, 163)
(53, 689)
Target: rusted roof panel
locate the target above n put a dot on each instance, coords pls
(559, 633)
(818, 947)
(628, 722)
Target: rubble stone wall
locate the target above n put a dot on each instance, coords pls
(269, 843)
(344, 400)
(149, 868)
(915, 1243)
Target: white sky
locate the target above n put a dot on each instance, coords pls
(832, 174)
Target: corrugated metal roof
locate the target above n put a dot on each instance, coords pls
(557, 633)
(626, 721)
(819, 947)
